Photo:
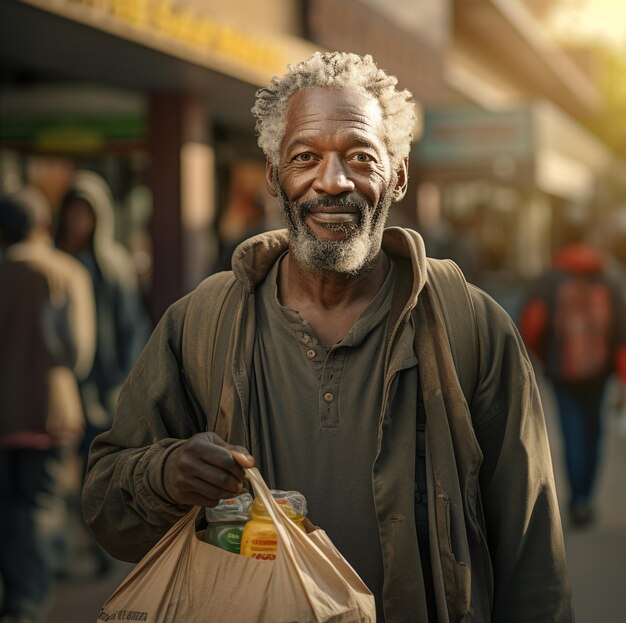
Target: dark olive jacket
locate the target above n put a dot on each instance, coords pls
(496, 540)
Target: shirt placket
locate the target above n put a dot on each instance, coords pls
(327, 364)
(330, 381)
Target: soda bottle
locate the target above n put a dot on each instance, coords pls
(259, 538)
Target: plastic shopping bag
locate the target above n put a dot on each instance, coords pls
(182, 579)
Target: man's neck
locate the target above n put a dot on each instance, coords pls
(330, 302)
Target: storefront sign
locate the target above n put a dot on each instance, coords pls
(564, 159)
(471, 135)
(71, 134)
(177, 29)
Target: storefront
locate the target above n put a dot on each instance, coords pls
(154, 96)
(508, 178)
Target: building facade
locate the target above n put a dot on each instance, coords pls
(156, 96)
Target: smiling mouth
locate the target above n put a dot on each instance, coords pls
(335, 217)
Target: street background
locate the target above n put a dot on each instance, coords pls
(521, 133)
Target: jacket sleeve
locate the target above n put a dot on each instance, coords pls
(524, 531)
(124, 501)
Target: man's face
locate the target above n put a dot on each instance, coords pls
(80, 223)
(334, 181)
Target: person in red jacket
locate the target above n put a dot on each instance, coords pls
(574, 322)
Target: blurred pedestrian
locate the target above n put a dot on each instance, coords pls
(618, 247)
(463, 247)
(574, 321)
(86, 230)
(47, 340)
(13, 224)
(257, 223)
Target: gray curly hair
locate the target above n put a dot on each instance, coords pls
(335, 69)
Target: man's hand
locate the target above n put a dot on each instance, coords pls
(204, 470)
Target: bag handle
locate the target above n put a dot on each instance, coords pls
(286, 529)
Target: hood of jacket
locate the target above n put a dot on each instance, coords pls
(579, 259)
(253, 259)
(113, 259)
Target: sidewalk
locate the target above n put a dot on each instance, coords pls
(79, 601)
(596, 556)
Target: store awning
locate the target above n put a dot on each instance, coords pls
(115, 43)
(504, 33)
(535, 145)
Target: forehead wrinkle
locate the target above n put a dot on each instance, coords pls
(356, 137)
(361, 128)
(311, 117)
(350, 116)
(298, 118)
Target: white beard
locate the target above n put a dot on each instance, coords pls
(350, 256)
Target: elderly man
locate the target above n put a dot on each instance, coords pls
(326, 361)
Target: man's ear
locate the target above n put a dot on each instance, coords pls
(270, 179)
(403, 180)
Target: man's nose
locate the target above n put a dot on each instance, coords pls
(331, 177)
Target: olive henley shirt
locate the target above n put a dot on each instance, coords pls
(315, 412)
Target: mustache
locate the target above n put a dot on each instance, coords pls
(347, 200)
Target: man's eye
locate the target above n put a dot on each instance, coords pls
(362, 157)
(305, 156)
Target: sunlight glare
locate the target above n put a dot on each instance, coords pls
(591, 19)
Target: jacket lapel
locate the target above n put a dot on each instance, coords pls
(453, 459)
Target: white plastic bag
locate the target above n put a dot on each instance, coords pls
(182, 579)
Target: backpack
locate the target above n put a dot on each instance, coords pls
(581, 328)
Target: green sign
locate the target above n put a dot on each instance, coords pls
(70, 133)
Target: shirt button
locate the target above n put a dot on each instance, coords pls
(310, 353)
(328, 397)
(306, 338)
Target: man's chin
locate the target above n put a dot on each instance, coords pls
(347, 256)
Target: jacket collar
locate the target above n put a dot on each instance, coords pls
(253, 259)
